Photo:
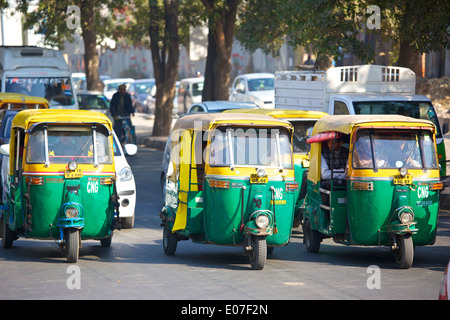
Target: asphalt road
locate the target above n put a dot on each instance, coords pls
(135, 266)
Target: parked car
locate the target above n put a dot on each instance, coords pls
(190, 92)
(111, 86)
(95, 101)
(140, 90)
(219, 106)
(255, 87)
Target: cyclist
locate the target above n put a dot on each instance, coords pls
(121, 108)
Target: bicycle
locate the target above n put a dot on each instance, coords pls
(127, 134)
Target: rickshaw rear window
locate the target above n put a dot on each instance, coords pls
(69, 143)
(391, 149)
(251, 147)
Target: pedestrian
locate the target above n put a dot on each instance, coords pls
(121, 108)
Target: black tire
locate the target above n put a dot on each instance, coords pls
(128, 222)
(170, 241)
(106, 242)
(311, 238)
(258, 255)
(404, 255)
(72, 245)
(8, 236)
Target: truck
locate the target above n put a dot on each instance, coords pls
(361, 89)
(36, 71)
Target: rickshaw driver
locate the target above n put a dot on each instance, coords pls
(339, 156)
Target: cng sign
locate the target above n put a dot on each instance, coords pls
(92, 185)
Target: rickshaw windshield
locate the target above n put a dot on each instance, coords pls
(69, 143)
(270, 147)
(415, 109)
(300, 135)
(391, 149)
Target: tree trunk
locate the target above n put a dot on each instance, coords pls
(91, 60)
(409, 58)
(220, 42)
(165, 63)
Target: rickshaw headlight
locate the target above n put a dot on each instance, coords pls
(403, 171)
(406, 217)
(72, 212)
(72, 165)
(261, 172)
(262, 221)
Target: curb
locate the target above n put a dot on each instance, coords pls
(158, 143)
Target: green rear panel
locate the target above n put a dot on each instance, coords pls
(222, 215)
(47, 199)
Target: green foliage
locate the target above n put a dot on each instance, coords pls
(50, 18)
(334, 27)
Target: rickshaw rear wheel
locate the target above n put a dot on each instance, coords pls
(404, 255)
(311, 238)
(258, 255)
(169, 241)
(8, 236)
(72, 245)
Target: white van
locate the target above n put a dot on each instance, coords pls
(37, 72)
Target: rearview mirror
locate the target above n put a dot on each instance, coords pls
(130, 149)
(4, 149)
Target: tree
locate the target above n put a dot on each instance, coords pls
(164, 45)
(221, 21)
(58, 25)
(331, 28)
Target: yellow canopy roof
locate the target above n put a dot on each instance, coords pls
(204, 121)
(27, 117)
(17, 98)
(345, 123)
(282, 113)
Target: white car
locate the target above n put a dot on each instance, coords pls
(126, 186)
(111, 86)
(254, 87)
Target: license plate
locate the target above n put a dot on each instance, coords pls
(398, 179)
(73, 174)
(254, 178)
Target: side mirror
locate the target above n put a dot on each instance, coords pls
(4, 149)
(130, 149)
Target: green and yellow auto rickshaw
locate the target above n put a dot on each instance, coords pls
(390, 192)
(230, 182)
(303, 121)
(59, 182)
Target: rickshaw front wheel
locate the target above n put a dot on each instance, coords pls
(169, 241)
(72, 245)
(106, 242)
(404, 254)
(311, 238)
(258, 255)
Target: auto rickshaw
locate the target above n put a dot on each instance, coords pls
(20, 101)
(302, 121)
(390, 196)
(230, 182)
(61, 180)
